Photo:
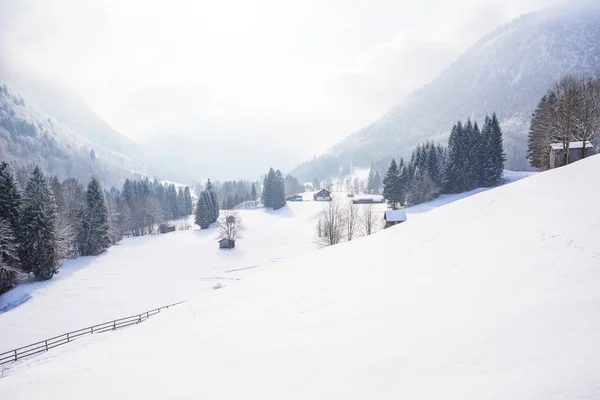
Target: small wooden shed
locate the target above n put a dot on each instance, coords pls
(226, 244)
(294, 197)
(394, 217)
(322, 195)
(166, 228)
(576, 153)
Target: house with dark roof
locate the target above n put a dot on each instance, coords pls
(322, 195)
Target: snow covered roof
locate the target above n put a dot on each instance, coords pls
(395, 216)
(572, 145)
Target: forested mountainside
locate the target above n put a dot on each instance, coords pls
(29, 137)
(508, 71)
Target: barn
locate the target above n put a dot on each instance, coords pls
(322, 195)
(294, 197)
(576, 153)
(394, 217)
(226, 244)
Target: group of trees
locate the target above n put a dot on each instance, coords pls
(293, 186)
(207, 209)
(374, 181)
(232, 193)
(418, 181)
(144, 204)
(341, 220)
(474, 158)
(44, 221)
(569, 111)
(273, 193)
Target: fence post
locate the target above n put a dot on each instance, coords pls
(147, 315)
(46, 344)
(15, 355)
(115, 325)
(92, 330)
(68, 340)
(139, 318)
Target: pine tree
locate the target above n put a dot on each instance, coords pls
(39, 244)
(371, 181)
(181, 203)
(95, 228)
(391, 186)
(188, 201)
(203, 210)
(377, 183)
(453, 180)
(10, 204)
(268, 189)
(496, 151)
(213, 203)
(253, 194)
(278, 193)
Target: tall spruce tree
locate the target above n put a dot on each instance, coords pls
(268, 189)
(495, 152)
(10, 204)
(95, 222)
(253, 194)
(203, 210)
(213, 202)
(391, 186)
(181, 202)
(188, 201)
(39, 244)
(278, 194)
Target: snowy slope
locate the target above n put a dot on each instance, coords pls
(507, 71)
(494, 296)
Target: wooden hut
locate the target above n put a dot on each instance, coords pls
(226, 244)
(294, 197)
(322, 195)
(394, 217)
(576, 153)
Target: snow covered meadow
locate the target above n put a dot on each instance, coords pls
(492, 296)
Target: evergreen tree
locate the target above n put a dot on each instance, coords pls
(268, 189)
(495, 152)
(377, 183)
(10, 203)
(278, 194)
(371, 181)
(253, 194)
(455, 166)
(203, 210)
(95, 228)
(213, 203)
(39, 245)
(391, 186)
(181, 203)
(188, 201)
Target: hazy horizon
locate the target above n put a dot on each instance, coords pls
(266, 79)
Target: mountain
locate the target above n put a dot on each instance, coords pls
(28, 136)
(506, 72)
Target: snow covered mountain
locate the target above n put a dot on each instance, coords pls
(507, 72)
(494, 296)
(28, 136)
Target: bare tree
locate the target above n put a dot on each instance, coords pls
(565, 113)
(358, 185)
(368, 219)
(332, 221)
(352, 220)
(588, 111)
(230, 225)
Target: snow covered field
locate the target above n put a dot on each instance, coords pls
(494, 296)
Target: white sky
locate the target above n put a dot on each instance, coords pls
(291, 77)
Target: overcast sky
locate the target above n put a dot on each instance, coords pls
(291, 78)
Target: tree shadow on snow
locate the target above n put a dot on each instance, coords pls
(25, 291)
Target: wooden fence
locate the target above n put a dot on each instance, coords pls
(45, 345)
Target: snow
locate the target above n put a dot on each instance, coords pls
(572, 145)
(490, 296)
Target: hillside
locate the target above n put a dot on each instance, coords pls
(507, 71)
(494, 296)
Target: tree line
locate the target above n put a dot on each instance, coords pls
(474, 158)
(44, 221)
(568, 112)
(207, 209)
